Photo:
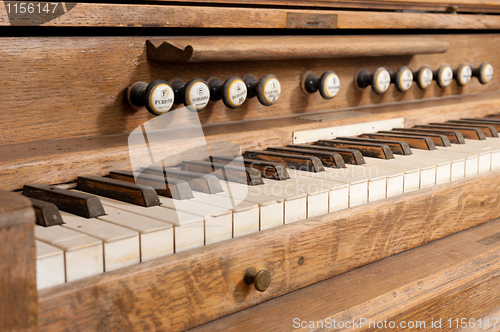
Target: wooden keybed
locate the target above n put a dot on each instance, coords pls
(64, 114)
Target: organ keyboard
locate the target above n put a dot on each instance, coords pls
(147, 187)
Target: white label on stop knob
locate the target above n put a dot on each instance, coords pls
(406, 80)
(465, 75)
(332, 85)
(162, 98)
(237, 93)
(382, 81)
(446, 76)
(487, 73)
(272, 90)
(199, 95)
(426, 78)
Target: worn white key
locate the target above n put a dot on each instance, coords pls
(156, 237)
(83, 254)
(295, 203)
(121, 245)
(358, 187)
(271, 209)
(218, 221)
(49, 265)
(410, 173)
(245, 215)
(188, 229)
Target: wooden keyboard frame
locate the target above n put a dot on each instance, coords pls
(187, 289)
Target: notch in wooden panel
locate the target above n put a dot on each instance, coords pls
(311, 21)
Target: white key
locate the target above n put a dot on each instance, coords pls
(295, 203)
(218, 221)
(411, 174)
(156, 237)
(83, 254)
(49, 265)
(271, 212)
(245, 214)
(358, 187)
(121, 245)
(188, 229)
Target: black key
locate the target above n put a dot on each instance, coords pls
(328, 159)
(454, 136)
(267, 169)
(244, 175)
(81, 204)
(488, 131)
(173, 188)
(350, 156)
(205, 183)
(119, 190)
(293, 161)
(47, 214)
(397, 147)
(417, 142)
(439, 140)
(382, 151)
(467, 132)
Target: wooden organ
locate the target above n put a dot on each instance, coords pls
(315, 94)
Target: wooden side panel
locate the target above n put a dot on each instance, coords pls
(454, 277)
(187, 289)
(18, 294)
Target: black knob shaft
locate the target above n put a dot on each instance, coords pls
(157, 96)
(233, 91)
(267, 89)
(380, 80)
(328, 84)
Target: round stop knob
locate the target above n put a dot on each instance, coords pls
(267, 89)
(403, 79)
(463, 74)
(484, 73)
(157, 96)
(328, 84)
(261, 280)
(194, 93)
(233, 91)
(424, 77)
(380, 80)
(444, 75)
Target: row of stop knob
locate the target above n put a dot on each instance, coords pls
(159, 96)
(382, 77)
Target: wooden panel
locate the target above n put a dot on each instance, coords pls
(454, 277)
(81, 83)
(18, 295)
(64, 160)
(206, 283)
(439, 5)
(247, 48)
(125, 15)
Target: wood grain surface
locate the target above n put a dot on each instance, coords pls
(453, 277)
(187, 289)
(81, 83)
(146, 15)
(248, 48)
(64, 160)
(18, 294)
